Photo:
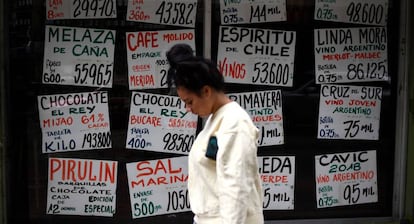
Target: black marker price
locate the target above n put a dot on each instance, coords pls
(96, 140)
(93, 74)
(178, 200)
(273, 197)
(353, 193)
(372, 70)
(271, 73)
(92, 8)
(178, 142)
(175, 13)
(365, 13)
(354, 127)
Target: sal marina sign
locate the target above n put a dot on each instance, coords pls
(78, 56)
(158, 187)
(74, 121)
(81, 187)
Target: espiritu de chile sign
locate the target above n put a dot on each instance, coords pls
(265, 109)
(158, 187)
(168, 12)
(346, 178)
(160, 123)
(81, 187)
(74, 121)
(349, 112)
(351, 55)
(369, 12)
(256, 56)
(80, 9)
(78, 56)
(247, 11)
(146, 56)
(278, 179)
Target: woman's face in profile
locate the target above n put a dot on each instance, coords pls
(194, 103)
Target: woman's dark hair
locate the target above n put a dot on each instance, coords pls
(191, 72)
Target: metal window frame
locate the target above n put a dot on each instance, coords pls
(401, 135)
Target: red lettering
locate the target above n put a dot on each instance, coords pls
(54, 166)
(234, 70)
(53, 3)
(76, 170)
(140, 168)
(142, 39)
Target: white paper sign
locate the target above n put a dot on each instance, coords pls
(256, 56)
(349, 112)
(74, 121)
(346, 179)
(370, 12)
(146, 56)
(158, 187)
(247, 11)
(78, 56)
(160, 123)
(80, 9)
(168, 12)
(351, 55)
(278, 177)
(265, 109)
(81, 187)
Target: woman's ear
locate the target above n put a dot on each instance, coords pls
(206, 91)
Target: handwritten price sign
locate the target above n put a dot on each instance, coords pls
(256, 56)
(146, 55)
(81, 187)
(246, 11)
(265, 109)
(76, 121)
(169, 12)
(160, 123)
(349, 112)
(158, 187)
(370, 12)
(80, 9)
(78, 56)
(278, 178)
(346, 179)
(351, 55)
